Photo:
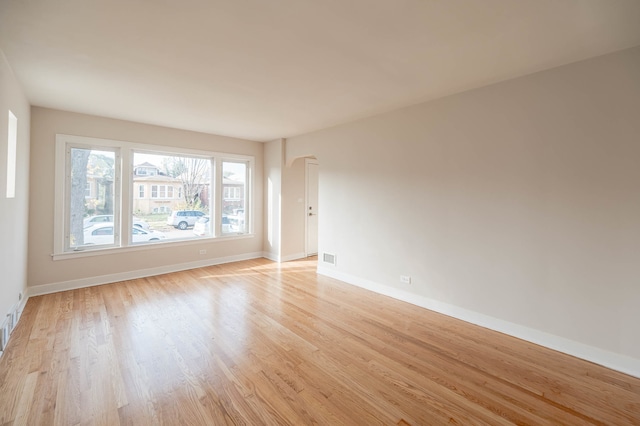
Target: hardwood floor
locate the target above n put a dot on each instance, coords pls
(256, 343)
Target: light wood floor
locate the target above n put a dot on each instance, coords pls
(257, 343)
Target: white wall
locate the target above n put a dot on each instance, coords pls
(284, 224)
(13, 211)
(273, 165)
(293, 211)
(519, 202)
(46, 274)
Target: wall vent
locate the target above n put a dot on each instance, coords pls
(329, 258)
(13, 321)
(4, 337)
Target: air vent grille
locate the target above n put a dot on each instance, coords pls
(329, 258)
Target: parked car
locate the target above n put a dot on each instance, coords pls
(102, 233)
(182, 219)
(103, 218)
(203, 226)
(236, 223)
(227, 226)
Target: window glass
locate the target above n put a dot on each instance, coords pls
(105, 230)
(234, 182)
(90, 169)
(172, 196)
(168, 175)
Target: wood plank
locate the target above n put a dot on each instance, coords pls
(257, 342)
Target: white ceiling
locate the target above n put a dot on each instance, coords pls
(265, 69)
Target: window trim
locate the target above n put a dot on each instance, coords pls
(63, 173)
(248, 194)
(12, 155)
(125, 181)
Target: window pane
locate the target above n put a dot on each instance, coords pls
(171, 197)
(234, 180)
(171, 212)
(92, 197)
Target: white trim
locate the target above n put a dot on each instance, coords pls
(271, 256)
(150, 245)
(12, 154)
(614, 361)
(39, 290)
(294, 256)
(307, 162)
(277, 258)
(125, 152)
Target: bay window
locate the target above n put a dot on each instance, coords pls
(192, 195)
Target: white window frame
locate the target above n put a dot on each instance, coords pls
(162, 189)
(12, 154)
(63, 191)
(124, 182)
(248, 195)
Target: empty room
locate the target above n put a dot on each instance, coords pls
(412, 212)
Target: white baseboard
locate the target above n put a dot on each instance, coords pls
(139, 273)
(294, 256)
(614, 361)
(271, 256)
(277, 258)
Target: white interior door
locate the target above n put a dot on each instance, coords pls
(312, 207)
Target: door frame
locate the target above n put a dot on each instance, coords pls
(308, 161)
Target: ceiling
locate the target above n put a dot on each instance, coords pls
(262, 70)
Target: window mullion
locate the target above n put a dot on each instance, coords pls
(103, 172)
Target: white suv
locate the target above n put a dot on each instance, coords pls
(182, 219)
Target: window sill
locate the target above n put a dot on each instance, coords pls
(146, 246)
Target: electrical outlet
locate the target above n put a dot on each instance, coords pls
(406, 279)
(203, 252)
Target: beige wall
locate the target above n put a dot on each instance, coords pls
(46, 123)
(273, 165)
(519, 201)
(293, 210)
(284, 219)
(13, 211)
